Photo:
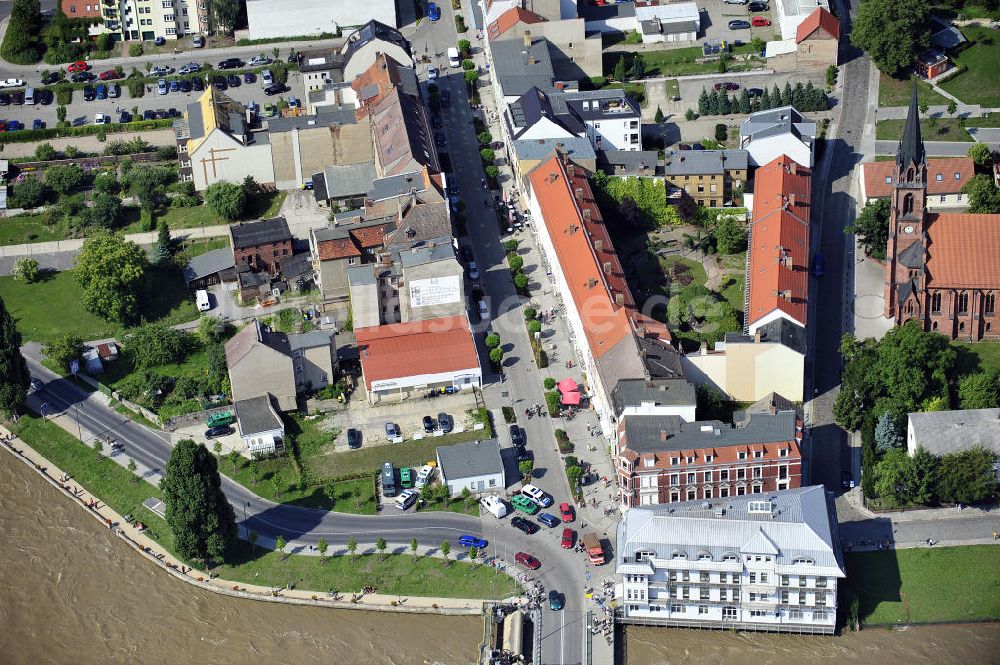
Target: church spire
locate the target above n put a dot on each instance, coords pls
(911, 148)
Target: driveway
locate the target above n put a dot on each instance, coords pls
(409, 414)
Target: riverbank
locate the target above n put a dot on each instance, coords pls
(153, 544)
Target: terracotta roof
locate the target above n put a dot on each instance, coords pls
(509, 19)
(875, 173)
(962, 250)
(340, 248)
(595, 276)
(779, 241)
(819, 19)
(80, 9)
(432, 346)
(369, 236)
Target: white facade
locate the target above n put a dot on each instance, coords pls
(490, 482)
(461, 379)
(615, 133)
(764, 150)
(170, 19)
(263, 443)
(476, 465)
(761, 562)
(268, 19)
(792, 12)
(770, 317)
(221, 157)
(677, 22)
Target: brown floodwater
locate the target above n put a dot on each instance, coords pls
(74, 593)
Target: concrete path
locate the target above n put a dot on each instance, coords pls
(934, 148)
(963, 111)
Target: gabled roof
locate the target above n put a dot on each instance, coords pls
(518, 69)
(962, 250)
(372, 31)
(253, 234)
(943, 432)
(431, 346)
(257, 415)
(941, 176)
(779, 241)
(385, 74)
(341, 242)
(209, 263)
(820, 20)
(574, 147)
(402, 135)
(509, 19)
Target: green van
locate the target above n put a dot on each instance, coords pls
(220, 419)
(524, 504)
(406, 477)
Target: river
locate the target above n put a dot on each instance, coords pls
(74, 593)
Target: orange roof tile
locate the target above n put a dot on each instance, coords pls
(369, 236)
(433, 346)
(341, 248)
(941, 174)
(509, 19)
(779, 241)
(595, 276)
(819, 19)
(962, 250)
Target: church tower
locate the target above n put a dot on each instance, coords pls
(904, 263)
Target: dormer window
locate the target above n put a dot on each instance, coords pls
(674, 461)
(679, 555)
(689, 460)
(757, 454)
(709, 458)
(802, 561)
(648, 463)
(741, 455)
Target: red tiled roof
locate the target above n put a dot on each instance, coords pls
(962, 250)
(341, 248)
(81, 8)
(369, 236)
(779, 241)
(509, 19)
(875, 173)
(432, 346)
(819, 19)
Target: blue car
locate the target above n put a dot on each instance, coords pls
(471, 541)
(38, 124)
(433, 11)
(819, 263)
(102, 91)
(549, 520)
(174, 85)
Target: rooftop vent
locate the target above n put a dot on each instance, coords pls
(719, 512)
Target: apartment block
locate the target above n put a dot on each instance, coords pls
(131, 20)
(712, 178)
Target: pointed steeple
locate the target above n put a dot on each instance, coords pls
(911, 148)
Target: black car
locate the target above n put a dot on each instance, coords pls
(739, 25)
(81, 77)
(17, 97)
(523, 454)
(515, 436)
(149, 114)
(222, 430)
(428, 425)
(233, 80)
(231, 63)
(198, 84)
(437, 122)
(185, 85)
(353, 438)
(440, 140)
(124, 117)
(274, 89)
(160, 41)
(757, 7)
(51, 77)
(525, 525)
(444, 422)
(446, 97)
(173, 113)
(220, 82)
(4, 99)
(249, 77)
(160, 114)
(755, 92)
(89, 93)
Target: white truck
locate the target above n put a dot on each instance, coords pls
(453, 57)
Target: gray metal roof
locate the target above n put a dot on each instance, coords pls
(364, 274)
(321, 60)
(662, 392)
(943, 432)
(628, 161)
(386, 188)
(251, 234)
(765, 405)
(371, 31)
(704, 162)
(209, 263)
(947, 36)
(195, 120)
(310, 340)
(296, 265)
(519, 69)
(575, 147)
(342, 181)
(781, 331)
(800, 523)
(468, 460)
(256, 415)
(660, 358)
(422, 255)
(645, 434)
(774, 122)
(679, 27)
(326, 116)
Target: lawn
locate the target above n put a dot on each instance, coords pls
(979, 84)
(397, 574)
(896, 92)
(673, 88)
(29, 228)
(978, 356)
(732, 290)
(925, 585)
(261, 206)
(680, 61)
(197, 246)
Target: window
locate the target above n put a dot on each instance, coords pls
(689, 460)
(936, 303)
(703, 594)
(724, 475)
(943, 198)
(758, 613)
(703, 609)
(819, 616)
(674, 478)
(674, 461)
(741, 455)
(783, 452)
(709, 458)
(763, 578)
(802, 581)
(728, 612)
(963, 303)
(990, 304)
(723, 492)
(597, 125)
(691, 496)
(685, 592)
(708, 492)
(958, 176)
(730, 557)
(784, 595)
(674, 496)
(888, 180)
(690, 478)
(821, 582)
(757, 454)
(802, 561)
(741, 474)
(704, 576)
(707, 476)
(677, 607)
(794, 614)
(939, 177)
(753, 580)
(757, 472)
(704, 556)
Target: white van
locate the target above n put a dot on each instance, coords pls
(424, 476)
(495, 505)
(29, 96)
(201, 299)
(453, 57)
(406, 499)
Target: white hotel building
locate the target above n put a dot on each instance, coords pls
(760, 562)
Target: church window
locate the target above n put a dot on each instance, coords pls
(909, 175)
(909, 307)
(990, 304)
(963, 303)
(961, 326)
(936, 303)
(908, 204)
(934, 326)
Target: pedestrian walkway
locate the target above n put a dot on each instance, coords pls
(962, 111)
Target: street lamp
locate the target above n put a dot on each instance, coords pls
(246, 523)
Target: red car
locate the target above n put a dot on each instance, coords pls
(566, 512)
(528, 561)
(108, 75)
(728, 85)
(569, 536)
(760, 22)
(78, 66)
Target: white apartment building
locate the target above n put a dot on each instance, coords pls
(766, 562)
(132, 20)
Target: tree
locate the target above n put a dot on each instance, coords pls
(223, 14)
(61, 113)
(922, 107)
(553, 402)
(322, 546)
(277, 484)
(98, 449)
(952, 107)
(162, 252)
(893, 32)
(226, 199)
(638, 67)
(980, 154)
(629, 211)
(549, 383)
(895, 476)
(492, 341)
(13, 368)
(279, 544)
(786, 95)
(63, 349)
(132, 469)
(620, 70)
(730, 234)
(872, 228)
(496, 356)
(745, 101)
(714, 103)
(44, 152)
(154, 344)
(984, 196)
(26, 269)
(29, 193)
(484, 138)
(690, 115)
(64, 178)
(380, 545)
(111, 271)
(980, 390)
(703, 103)
(473, 555)
(466, 494)
(352, 546)
(515, 263)
(967, 476)
(105, 211)
(887, 436)
(526, 467)
(254, 471)
(445, 550)
(574, 474)
(413, 546)
(198, 513)
(765, 100)
(521, 281)
(487, 155)
(234, 459)
(658, 118)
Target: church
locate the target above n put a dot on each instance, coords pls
(942, 269)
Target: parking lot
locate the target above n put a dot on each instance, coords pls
(716, 15)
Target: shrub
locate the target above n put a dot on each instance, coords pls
(530, 313)
(690, 115)
(549, 383)
(29, 193)
(534, 327)
(64, 94)
(515, 262)
(521, 281)
(166, 152)
(510, 245)
(44, 152)
(543, 359)
(721, 133)
(135, 49)
(508, 414)
(460, 24)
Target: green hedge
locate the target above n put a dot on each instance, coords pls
(29, 135)
(299, 38)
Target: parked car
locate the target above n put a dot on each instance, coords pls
(755, 92)
(124, 117)
(88, 93)
(173, 113)
(528, 561)
(428, 425)
(4, 99)
(220, 83)
(473, 270)
(353, 438)
(233, 80)
(11, 83)
(270, 110)
(259, 61)
(523, 454)
(249, 77)
(466, 540)
(114, 91)
(231, 63)
(149, 114)
(17, 97)
(739, 24)
(102, 91)
(189, 68)
(440, 140)
(515, 436)
(222, 430)
(38, 124)
(760, 22)
(556, 600)
(736, 2)
(819, 263)
(109, 75)
(548, 520)
(406, 477)
(683, 146)
(175, 85)
(161, 87)
(433, 12)
(697, 146)
(161, 70)
(266, 78)
(14, 126)
(160, 114)
(185, 85)
(274, 89)
(78, 66)
(758, 7)
(392, 433)
(81, 77)
(51, 77)
(568, 538)
(432, 73)
(197, 84)
(160, 41)
(566, 512)
(445, 423)
(525, 525)
(197, 41)
(727, 85)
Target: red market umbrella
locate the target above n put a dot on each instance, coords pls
(567, 385)
(571, 398)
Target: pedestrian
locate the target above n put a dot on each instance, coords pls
(994, 535)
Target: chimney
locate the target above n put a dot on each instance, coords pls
(552, 176)
(527, 39)
(787, 294)
(586, 216)
(598, 244)
(703, 349)
(791, 199)
(663, 435)
(756, 336)
(591, 283)
(793, 168)
(786, 260)
(620, 300)
(772, 408)
(573, 228)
